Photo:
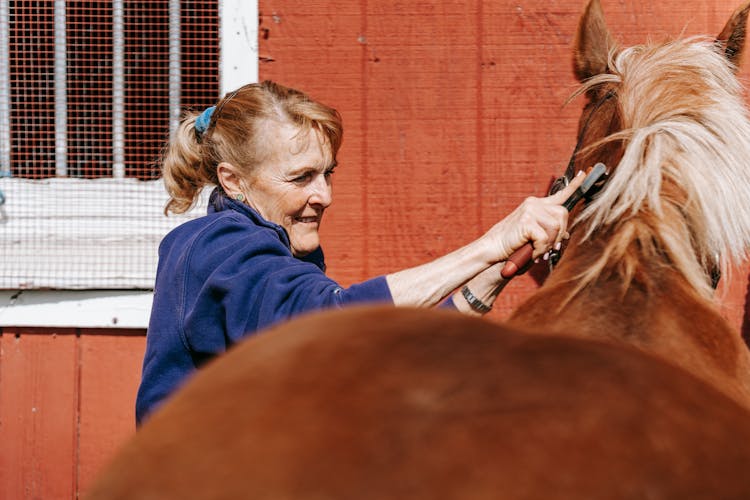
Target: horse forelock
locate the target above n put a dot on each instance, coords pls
(684, 175)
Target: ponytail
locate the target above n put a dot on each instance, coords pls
(183, 168)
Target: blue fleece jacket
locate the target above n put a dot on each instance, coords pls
(222, 277)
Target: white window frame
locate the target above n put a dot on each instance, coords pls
(238, 65)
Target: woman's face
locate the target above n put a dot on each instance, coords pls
(292, 187)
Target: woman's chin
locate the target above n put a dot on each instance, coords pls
(304, 246)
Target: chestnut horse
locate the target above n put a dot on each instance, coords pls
(619, 379)
(670, 121)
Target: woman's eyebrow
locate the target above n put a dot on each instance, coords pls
(307, 168)
(301, 169)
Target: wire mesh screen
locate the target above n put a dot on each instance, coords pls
(89, 91)
(89, 88)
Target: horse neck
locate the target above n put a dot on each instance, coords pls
(658, 313)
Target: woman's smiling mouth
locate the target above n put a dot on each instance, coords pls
(308, 220)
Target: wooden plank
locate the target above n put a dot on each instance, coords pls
(423, 98)
(110, 374)
(38, 414)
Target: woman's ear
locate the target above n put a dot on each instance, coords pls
(229, 178)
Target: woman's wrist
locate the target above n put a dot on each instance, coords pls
(478, 295)
(476, 304)
(492, 251)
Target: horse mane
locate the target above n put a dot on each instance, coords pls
(681, 191)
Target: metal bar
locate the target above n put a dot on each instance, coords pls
(175, 66)
(61, 91)
(4, 88)
(118, 90)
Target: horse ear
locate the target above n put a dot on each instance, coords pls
(592, 43)
(732, 38)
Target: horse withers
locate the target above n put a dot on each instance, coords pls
(619, 379)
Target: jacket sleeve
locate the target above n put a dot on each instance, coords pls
(243, 278)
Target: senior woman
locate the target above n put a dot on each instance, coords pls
(255, 258)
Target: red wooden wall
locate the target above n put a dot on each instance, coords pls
(453, 113)
(66, 404)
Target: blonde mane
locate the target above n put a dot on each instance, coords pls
(681, 192)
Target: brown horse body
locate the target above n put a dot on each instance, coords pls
(424, 405)
(619, 379)
(678, 325)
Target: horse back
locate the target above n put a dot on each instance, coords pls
(419, 404)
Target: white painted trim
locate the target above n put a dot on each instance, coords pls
(105, 232)
(238, 33)
(75, 309)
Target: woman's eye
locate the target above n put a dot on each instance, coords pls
(330, 172)
(302, 178)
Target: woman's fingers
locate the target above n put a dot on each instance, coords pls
(562, 195)
(544, 236)
(558, 221)
(541, 221)
(551, 221)
(541, 243)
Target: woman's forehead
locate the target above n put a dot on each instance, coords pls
(287, 142)
(287, 139)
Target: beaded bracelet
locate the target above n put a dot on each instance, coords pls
(474, 302)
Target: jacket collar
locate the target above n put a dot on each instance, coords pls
(220, 202)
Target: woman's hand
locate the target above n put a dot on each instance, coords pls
(542, 221)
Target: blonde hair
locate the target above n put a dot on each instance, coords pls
(683, 183)
(236, 134)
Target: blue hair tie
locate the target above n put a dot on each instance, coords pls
(204, 120)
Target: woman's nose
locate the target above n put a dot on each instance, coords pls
(321, 191)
